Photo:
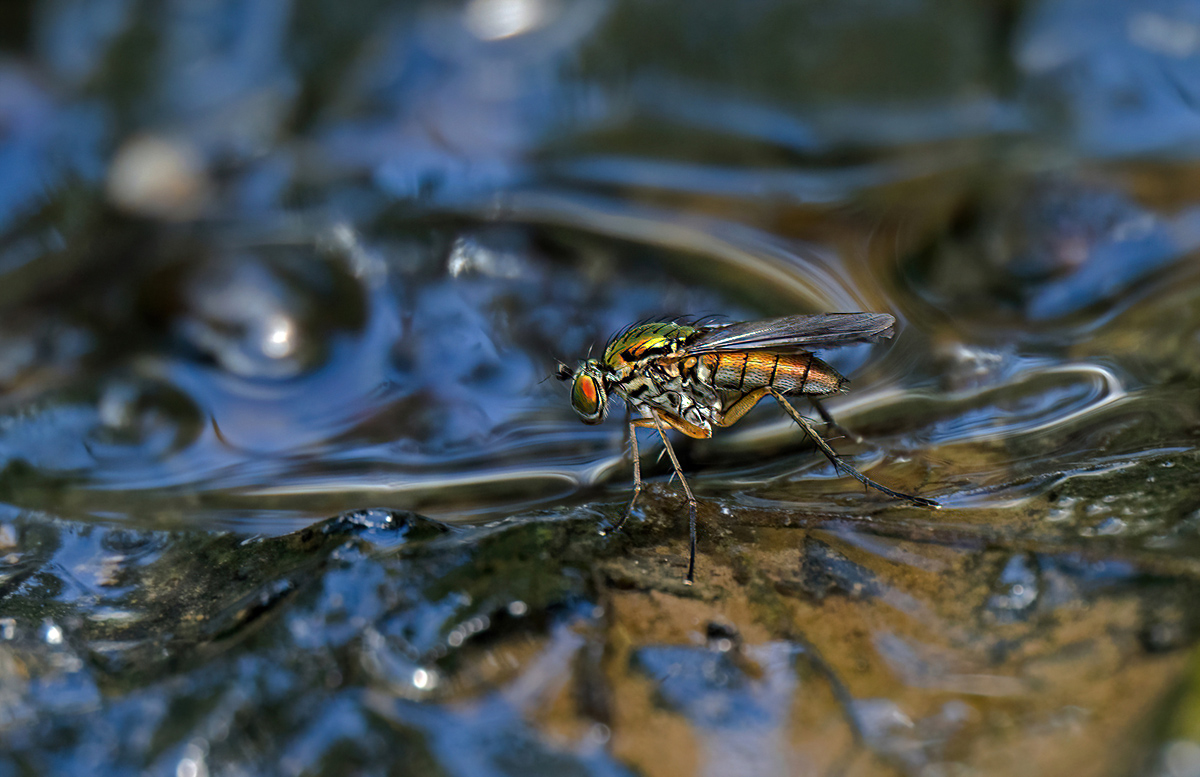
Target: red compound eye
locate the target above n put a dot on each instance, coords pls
(586, 395)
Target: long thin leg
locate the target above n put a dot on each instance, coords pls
(691, 572)
(656, 422)
(637, 476)
(828, 419)
(837, 460)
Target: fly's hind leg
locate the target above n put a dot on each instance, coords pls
(828, 419)
(837, 460)
(747, 401)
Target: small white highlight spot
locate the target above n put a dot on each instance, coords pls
(279, 341)
(499, 19)
(424, 680)
(517, 608)
(193, 762)
(116, 406)
(54, 634)
(158, 177)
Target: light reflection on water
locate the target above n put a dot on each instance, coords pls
(420, 402)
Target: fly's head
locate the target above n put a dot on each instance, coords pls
(589, 390)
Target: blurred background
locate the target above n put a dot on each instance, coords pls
(285, 489)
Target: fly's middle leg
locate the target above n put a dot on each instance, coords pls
(691, 570)
(656, 423)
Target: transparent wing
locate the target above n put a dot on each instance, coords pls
(795, 333)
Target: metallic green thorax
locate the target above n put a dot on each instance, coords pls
(629, 369)
(639, 368)
(645, 341)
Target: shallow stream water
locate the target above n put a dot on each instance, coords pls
(286, 486)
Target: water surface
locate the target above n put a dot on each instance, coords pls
(285, 489)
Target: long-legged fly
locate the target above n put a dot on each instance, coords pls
(693, 377)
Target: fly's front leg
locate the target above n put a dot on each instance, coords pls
(637, 472)
(828, 419)
(662, 432)
(840, 463)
